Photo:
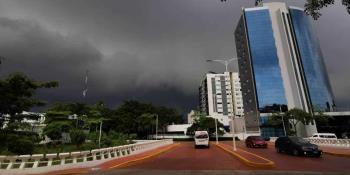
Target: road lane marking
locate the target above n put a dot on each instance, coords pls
(268, 164)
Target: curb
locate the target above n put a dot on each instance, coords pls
(127, 163)
(336, 154)
(269, 164)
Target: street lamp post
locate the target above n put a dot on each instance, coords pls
(216, 130)
(284, 127)
(156, 126)
(226, 62)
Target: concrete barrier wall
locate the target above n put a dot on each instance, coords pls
(344, 143)
(40, 163)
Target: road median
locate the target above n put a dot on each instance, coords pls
(248, 158)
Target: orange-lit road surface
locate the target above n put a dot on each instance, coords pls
(117, 163)
(183, 158)
(186, 157)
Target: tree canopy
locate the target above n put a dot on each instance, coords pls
(313, 7)
(294, 117)
(201, 122)
(16, 95)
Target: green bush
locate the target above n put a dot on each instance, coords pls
(106, 142)
(77, 137)
(21, 146)
(93, 136)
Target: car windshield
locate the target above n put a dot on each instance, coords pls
(298, 140)
(202, 136)
(258, 138)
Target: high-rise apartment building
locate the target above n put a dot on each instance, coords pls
(280, 62)
(218, 99)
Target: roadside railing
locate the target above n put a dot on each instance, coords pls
(331, 142)
(344, 143)
(77, 158)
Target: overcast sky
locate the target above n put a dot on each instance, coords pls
(149, 50)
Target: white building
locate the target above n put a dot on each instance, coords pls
(218, 99)
(190, 117)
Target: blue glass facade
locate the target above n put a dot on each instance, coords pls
(264, 60)
(314, 70)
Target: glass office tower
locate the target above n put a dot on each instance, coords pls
(321, 97)
(280, 63)
(263, 54)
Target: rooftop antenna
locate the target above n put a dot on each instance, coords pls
(86, 84)
(258, 3)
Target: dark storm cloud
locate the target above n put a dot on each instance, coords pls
(45, 55)
(149, 50)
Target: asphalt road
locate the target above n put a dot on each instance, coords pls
(186, 160)
(327, 163)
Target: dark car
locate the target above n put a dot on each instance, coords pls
(297, 146)
(255, 141)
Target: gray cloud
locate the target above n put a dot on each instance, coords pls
(149, 50)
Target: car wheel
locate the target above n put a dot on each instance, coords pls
(278, 150)
(195, 146)
(295, 152)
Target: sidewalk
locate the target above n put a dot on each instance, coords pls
(345, 152)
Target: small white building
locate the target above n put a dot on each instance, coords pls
(190, 117)
(178, 128)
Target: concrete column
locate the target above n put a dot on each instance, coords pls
(50, 157)
(12, 160)
(36, 158)
(75, 156)
(63, 157)
(85, 154)
(93, 152)
(24, 159)
(115, 152)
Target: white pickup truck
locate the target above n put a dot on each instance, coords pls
(331, 136)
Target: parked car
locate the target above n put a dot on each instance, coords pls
(331, 136)
(297, 146)
(201, 138)
(255, 142)
(345, 135)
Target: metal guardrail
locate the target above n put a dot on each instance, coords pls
(50, 160)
